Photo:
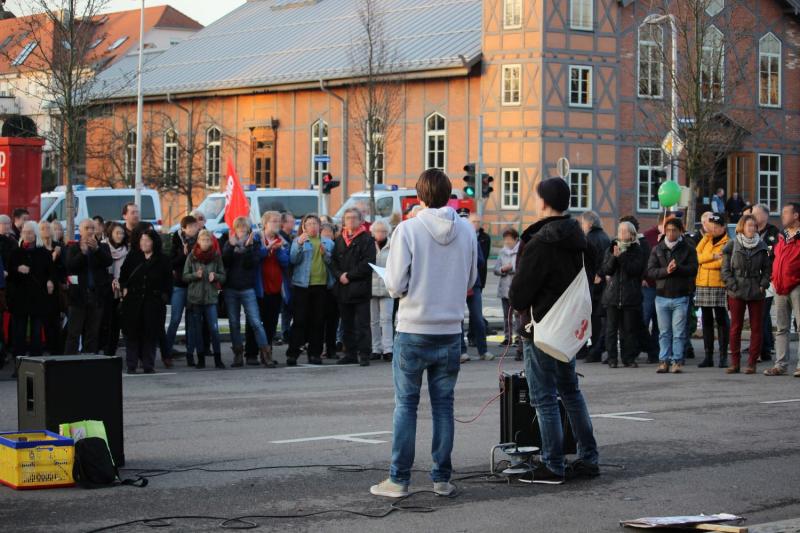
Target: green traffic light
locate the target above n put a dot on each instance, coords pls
(469, 191)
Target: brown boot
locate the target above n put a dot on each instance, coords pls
(266, 356)
(238, 357)
(732, 369)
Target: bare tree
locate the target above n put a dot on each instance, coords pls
(57, 66)
(711, 84)
(377, 97)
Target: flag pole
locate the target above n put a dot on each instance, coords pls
(139, 112)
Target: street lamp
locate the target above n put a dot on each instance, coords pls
(656, 19)
(139, 112)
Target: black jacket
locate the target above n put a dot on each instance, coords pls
(7, 245)
(241, 266)
(485, 245)
(79, 264)
(553, 255)
(354, 261)
(27, 293)
(624, 288)
(149, 284)
(770, 236)
(177, 257)
(598, 242)
(746, 273)
(682, 281)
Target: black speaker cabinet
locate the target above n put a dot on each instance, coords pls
(517, 416)
(58, 390)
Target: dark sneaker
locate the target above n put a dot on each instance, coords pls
(581, 469)
(541, 475)
(349, 360)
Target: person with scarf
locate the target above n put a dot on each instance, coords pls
(711, 295)
(309, 256)
(353, 251)
(673, 266)
(623, 266)
(51, 317)
(117, 241)
(381, 304)
(746, 270)
(204, 275)
(505, 268)
(146, 282)
(183, 242)
(31, 281)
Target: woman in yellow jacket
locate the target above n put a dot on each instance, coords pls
(710, 296)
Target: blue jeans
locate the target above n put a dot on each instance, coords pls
(649, 316)
(672, 326)
(476, 324)
(177, 304)
(247, 298)
(413, 354)
(198, 313)
(549, 379)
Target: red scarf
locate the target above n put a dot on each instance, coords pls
(349, 237)
(204, 256)
(28, 245)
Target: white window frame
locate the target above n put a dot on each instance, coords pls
(130, 156)
(770, 173)
(581, 5)
(572, 197)
(714, 7)
(319, 146)
(718, 56)
(652, 185)
(171, 164)
(647, 46)
(512, 9)
(507, 94)
(213, 155)
(510, 197)
(436, 136)
(770, 56)
(589, 86)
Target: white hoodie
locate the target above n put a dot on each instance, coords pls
(432, 263)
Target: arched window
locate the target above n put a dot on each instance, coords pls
(130, 157)
(213, 156)
(319, 146)
(435, 141)
(712, 65)
(769, 67)
(170, 158)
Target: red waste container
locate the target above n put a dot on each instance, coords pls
(21, 175)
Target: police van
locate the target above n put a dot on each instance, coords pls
(102, 201)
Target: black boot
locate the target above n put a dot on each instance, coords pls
(722, 335)
(363, 360)
(708, 361)
(238, 357)
(218, 361)
(189, 359)
(201, 361)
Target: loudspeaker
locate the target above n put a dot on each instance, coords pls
(517, 416)
(58, 390)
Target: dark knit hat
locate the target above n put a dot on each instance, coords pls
(717, 219)
(555, 193)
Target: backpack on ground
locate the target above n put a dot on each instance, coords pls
(94, 468)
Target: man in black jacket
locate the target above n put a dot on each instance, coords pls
(87, 267)
(475, 302)
(598, 242)
(551, 260)
(183, 242)
(769, 234)
(353, 251)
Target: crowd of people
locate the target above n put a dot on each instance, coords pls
(316, 291)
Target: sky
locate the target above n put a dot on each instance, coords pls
(204, 11)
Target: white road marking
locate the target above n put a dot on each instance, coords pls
(783, 401)
(626, 416)
(302, 365)
(351, 437)
(154, 375)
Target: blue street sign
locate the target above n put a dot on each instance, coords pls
(322, 159)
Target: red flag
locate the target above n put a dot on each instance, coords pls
(235, 201)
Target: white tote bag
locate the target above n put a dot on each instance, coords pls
(567, 326)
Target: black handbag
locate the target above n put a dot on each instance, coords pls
(94, 468)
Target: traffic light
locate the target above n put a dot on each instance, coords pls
(486, 185)
(328, 183)
(469, 180)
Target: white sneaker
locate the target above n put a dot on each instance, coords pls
(488, 356)
(465, 357)
(444, 488)
(389, 489)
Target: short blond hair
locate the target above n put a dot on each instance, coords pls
(241, 221)
(268, 215)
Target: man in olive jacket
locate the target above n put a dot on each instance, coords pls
(353, 251)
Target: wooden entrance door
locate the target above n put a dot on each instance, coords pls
(262, 157)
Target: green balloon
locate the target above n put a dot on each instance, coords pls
(669, 193)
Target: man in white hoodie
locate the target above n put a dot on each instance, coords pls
(432, 263)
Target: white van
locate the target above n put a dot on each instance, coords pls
(299, 202)
(388, 202)
(105, 202)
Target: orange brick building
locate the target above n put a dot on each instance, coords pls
(550, 79)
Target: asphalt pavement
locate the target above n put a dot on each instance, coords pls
(684, 444)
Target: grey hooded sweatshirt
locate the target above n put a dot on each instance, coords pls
(432, 263)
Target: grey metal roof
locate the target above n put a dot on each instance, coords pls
(274, 42)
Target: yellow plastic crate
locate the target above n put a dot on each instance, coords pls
(36, 460)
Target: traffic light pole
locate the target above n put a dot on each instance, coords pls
(479, 169)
